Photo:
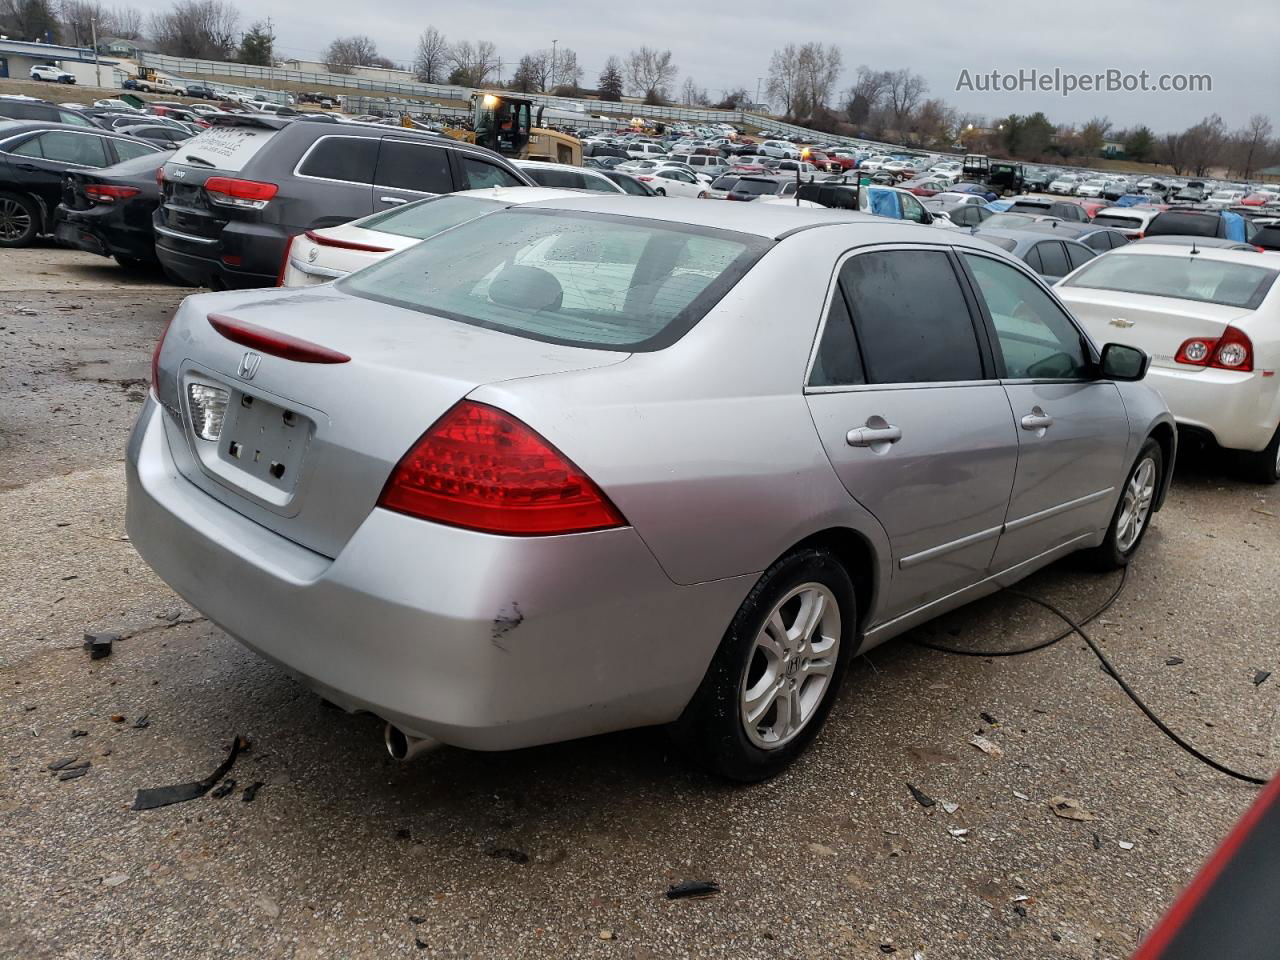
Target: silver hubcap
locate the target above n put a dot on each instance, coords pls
(14, 220)
(791, 665)
(1136, 506)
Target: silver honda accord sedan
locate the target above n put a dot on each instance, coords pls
(594, 464)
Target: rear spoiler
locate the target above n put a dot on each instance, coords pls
(263, 121)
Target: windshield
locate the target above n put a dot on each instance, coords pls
(1182, 277)
(579, 279)
(428, 217)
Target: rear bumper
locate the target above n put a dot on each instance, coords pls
(100, 232)
(239, 256)
(1239, 411)
(479, 641)
(208, 271)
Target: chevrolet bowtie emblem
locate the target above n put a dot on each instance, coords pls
(1120, 322)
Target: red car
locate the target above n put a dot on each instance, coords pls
(1231, 910)
(1091, 207)
(925, 186)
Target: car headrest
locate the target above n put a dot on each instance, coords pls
(526, 288)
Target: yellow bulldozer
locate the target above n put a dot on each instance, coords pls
(510, 125)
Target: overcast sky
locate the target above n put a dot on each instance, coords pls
(728, 44)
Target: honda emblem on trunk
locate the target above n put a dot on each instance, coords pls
(248, 365)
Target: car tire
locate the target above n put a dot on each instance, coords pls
(1141, 487)
(702, 194)
(1263, 466)
(660, 191)
(19, 220)
(715, 728)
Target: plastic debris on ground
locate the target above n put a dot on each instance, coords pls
(693, 890)
(948, 807)
(1260, 677)
(251, 791)
(987, 747)
(152, 797)
(1069, 809)
(1125, 844)
(99, 644)
(921, 797)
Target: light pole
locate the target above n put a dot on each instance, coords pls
(553, 62)
(758, 80)
(97, 65)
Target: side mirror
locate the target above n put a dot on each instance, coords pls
(926, 217)
(1122, 362)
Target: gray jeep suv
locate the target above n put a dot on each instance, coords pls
(232, 197)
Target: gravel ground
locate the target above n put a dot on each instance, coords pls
(567, 850)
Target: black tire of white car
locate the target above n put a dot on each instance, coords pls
(1108, 555)
(1263, 466)
(711, 728)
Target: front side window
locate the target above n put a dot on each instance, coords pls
(478, 174)
(911, 318)
(1037, 339)
(574, 278)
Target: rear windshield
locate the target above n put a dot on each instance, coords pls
(1113, 220)
(588, 280)
(1186, 225)
(1004, 243)
(757, 188)
(1013, 221)
(1025, 206)
(1181, 277)
(428, 217)
(724, 183)
(228, 147)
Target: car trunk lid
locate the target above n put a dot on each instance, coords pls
(1158, 325)
(306, 445)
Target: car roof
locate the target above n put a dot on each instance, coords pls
(770, 221)
(1250, 257)
(1022, 237)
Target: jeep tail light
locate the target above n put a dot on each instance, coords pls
(1232, 351)
(480, 468)
(248, 194)
(109, 192)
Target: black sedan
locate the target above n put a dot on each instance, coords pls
(109, 212)
(34, 160)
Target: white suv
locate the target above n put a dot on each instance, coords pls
(43, 71)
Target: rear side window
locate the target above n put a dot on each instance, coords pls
(128, 150)
(1053, 261)
(341, 158)
(1079, 255)
(838, 362)
(72, 148)
(478, 174)
(911, 318)
(608, 282)
(403, 165)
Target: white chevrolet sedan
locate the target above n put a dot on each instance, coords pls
(1210, 320)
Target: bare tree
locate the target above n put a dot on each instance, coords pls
(1251, 144)
(802, 78)
(649, 73)
(78, 18)
(784, 78)
(866, 95)
(355, 51)
(432, 55)
(1093, 135)
(566, 72)
(30, 20)
(905, 90)
(472, 62)
(201, 29)
(692, 94)
(125, 23)
(933, 124)
(1203, 144)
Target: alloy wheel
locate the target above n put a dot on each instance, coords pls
(1139, 493)
(15, 221)
(790, 666)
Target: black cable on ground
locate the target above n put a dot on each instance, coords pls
(1074, 627)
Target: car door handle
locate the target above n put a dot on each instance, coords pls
(393, 199)
(1037, 419)
(26, 166)
(868, 436)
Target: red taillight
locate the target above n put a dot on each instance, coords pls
(273, 343)
(284, 261)
(322, 240)
(160, 177)
(155, 359)
(645, 179)
(480, 468)
(240, 193)
(108, 192)
(1232, 351)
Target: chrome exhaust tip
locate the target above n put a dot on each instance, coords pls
(405, 747)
